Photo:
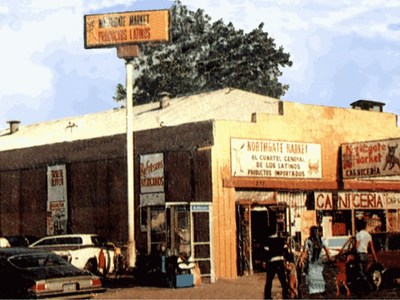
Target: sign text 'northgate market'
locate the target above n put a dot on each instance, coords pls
(371, 159)
(263, 158)
(108, 30)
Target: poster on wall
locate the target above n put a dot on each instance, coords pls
(152, 173)
(393, 221)
(308, 219)
(57, 205)
(278, 159)
(371, 159)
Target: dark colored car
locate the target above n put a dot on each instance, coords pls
(383, 273)
(387, 247)
(33, 273)
(21, 240)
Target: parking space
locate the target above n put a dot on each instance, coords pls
(245, 287)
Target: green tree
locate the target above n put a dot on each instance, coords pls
(204, 56)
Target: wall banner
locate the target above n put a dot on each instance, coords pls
(57, 203)
(393, 200)
(371, 159)
(323, 201)
(152, 173)
(357, 200)
(263, 158)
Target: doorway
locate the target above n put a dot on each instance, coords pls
(255, 222)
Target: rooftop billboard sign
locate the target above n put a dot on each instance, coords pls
(113, 29)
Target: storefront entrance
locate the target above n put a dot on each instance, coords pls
(181, 229)
(255, 223)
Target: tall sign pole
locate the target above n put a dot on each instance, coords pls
(130, 155)
(128, 53)
(125, 30)
(130, 162)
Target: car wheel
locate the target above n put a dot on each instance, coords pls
(91, 265)
(376, 277)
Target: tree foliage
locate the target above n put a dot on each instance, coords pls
(204, 56)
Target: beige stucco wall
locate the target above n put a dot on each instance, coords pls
(327, 126)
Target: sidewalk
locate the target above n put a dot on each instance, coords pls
(245, 287)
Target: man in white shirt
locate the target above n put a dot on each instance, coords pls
(363, 242)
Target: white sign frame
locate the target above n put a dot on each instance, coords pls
(276, 159)
(152, 173)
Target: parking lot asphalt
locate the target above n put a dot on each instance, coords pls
(245, 287)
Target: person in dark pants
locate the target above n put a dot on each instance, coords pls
(363, 243)
(276, 250)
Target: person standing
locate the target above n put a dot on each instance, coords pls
(363, 243)
(312, 254)
(276, 250)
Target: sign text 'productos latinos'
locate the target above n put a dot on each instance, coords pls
(108, 30)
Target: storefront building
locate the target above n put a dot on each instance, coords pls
(298, 160)
(214, 175)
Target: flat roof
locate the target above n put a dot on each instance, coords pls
(224, 104)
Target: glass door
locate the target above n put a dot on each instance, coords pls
(202, 242)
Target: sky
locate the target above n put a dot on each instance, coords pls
(342, 51)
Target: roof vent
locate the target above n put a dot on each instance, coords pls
(14, 126)
(164, 101)
(368, 105)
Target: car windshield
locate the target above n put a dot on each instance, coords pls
(60, 241)
(99, 241)
(337, 242)
(386, 241)
(28, 261)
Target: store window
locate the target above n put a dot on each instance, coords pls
(341, 222)
(375, 219)
(168, 228)
(179, 223)
(158, 228)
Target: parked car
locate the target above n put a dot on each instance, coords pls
(34, 273)
(386, 271)
(387, 247)
(85, 251)
(4, 243)
(20, 240)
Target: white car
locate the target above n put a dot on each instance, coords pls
(85, 251)
(335, 244)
